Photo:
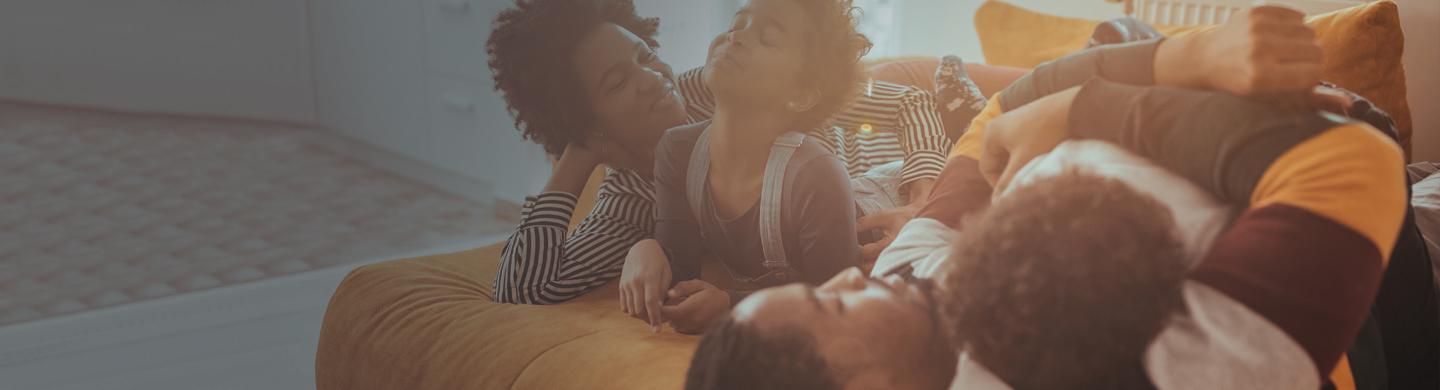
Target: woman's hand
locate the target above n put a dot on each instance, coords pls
(702, 303)
(574, 168)
(643, 282)
(1013, 139)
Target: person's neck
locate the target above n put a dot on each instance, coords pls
(740, 137)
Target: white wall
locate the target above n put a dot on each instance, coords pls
(1421, 21)
(235, 58)
(687, 27)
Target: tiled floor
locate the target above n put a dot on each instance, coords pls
(100, 209)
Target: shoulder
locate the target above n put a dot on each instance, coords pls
(812, 149)
(680, 139)
(672, 153)
(623, 183)
(812, 162)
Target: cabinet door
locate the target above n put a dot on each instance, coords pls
(236, 58)
(473, 136)
(370, 72)
(455, 34)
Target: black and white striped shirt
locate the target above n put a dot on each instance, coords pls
(542, 265)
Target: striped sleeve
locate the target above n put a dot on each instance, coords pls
(1326, 198)
(907, 112)
(699, 101)
(541, 265)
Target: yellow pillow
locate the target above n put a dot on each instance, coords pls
(1363, 45)
(1014, 36)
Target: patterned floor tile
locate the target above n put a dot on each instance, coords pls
(101, 209)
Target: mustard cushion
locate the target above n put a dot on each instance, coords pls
(1363, 45)
(430, 323)
(1014, 36)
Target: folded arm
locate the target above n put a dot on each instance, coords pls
(1325, 194)
(542, 265)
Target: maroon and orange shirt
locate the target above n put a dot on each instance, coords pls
(1325, 196)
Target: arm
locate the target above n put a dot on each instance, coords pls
(699, 101)
(544, 219)
(910, 113)
(1260, 52)
(959, 191)
(921, 132)
(540, 265)
(653, 266)
(1131, 63)
(824, 207)
(1326, 200)
(676, 229)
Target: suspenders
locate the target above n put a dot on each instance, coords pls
(770, 198)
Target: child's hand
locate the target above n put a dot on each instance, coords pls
(643, 281)
(699, 304)
(889, 222)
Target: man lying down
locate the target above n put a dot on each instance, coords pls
(1115, 260)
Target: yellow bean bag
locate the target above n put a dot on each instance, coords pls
(430, 323)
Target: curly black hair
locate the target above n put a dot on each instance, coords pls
(1063, 283)
(530, 49)
(831, 62)
(737, 356)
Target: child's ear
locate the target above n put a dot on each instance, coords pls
(804, 100)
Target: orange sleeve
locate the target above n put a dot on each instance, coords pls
(1347, 174)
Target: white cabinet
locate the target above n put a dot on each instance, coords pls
(410, 77)
(231, 58)
(455, 33)
(370, 72)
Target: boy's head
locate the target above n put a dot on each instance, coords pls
(800, 55)
(1063, 283)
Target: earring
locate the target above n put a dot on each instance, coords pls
(790, 105)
